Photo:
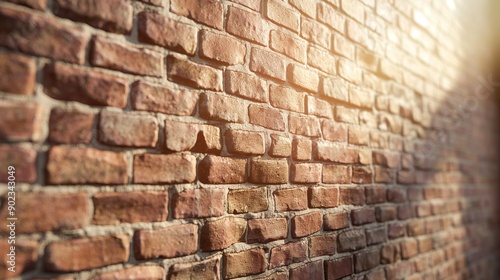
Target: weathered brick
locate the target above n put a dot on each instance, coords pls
(222, 107)
(351, 196)
(130, 207)
(252, 4)
(281, 146)
(366, 260)
(20, 121)
(193, 74)
(290, 199)
(198, 203)
(266, 230)
(23, 159)
(306, 224)
(267, 63)
(222, 170)
(157, 29)
(207, 269)
(303, 125)
(322, 245)
(144, 271)
(125, 129)
(409, 248)
(159, 3)
(303, 78)
(245, 142)
(363, 216)
(386, 159)
(246, 25)
(280, 14)
(326, 151)
(362, 175)
(126, 58)
(172, 168)
(338, 268)
(289, 253)
(351, 240)
(246, 86)
(25, 258)
(396, 230)
(244, 201)
(287, 98)
(266, 171)
(311, 270)
(150, 243)
(70, 126)
(318, 107)
(208, 13)
(315, 32)
(267, 117)
(180, 136)
(18, 73)
(301, 149)
(38, 34)
(222, 233)
(94, 166)
(376, 235)
(89, 87)
(336, 174)
(329, 16)
(375, 194)
(306, 173)
(334, 132)
(244, 263)
(65, 256)
(34, 4)
(288, 45)
(385, 213)
(222, 48)
(336, 221)
(334, 87)
(384, 175)
(389, 253)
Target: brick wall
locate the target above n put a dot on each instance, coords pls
(266, 139)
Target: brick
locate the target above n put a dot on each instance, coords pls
(266, 230)
(425, 244)
(315, 32)
(290, 199)
(289, 253)
(266, 171)
(305, 173)
(351, 240)
(389, 253)
(343, 47)
(396, 194)
(268, 64)
(338, 268)
(198, 203)
(162, 31)
(145, 271)
(89, 87)
(303, 125)
(192, 74)
(125, 129)
(266, 117)
(281, 15)
(385, 213)
(114, 15)
(222, 233)
(336, 221)
(376, 235)
(306, 224)
(23, 159)
(20, 121)
(156, 169)
(336, 174)
(156, 98)
(222, 107)
(34, 4)
(335, 88)
(244, 263)
(207, 269)
(288, 45)
(18, 74)
(409, 248)
(222, 170)
(349, 71)
(384, 175)
(358, 136)
(63, 256)
(334, 132)
(126, 58)
(287, 98)
(326, 151)
(246, 25)
(360, 97)
(302, 149)
(94, 166)
(311, 270)
(322, 245)
(303, 78)
(363, 216)
(416, 227)
(39, 35)
(182, 241)
(180, 136)
(386, 159)
(48, 212)
(245, 142)
(362, 175)
(318, 107)
(158, 3)
(396, 231)
(70, 126)
(246, 86)
(366, 260)
(321, 60)
(407, 177)
(222, 48)
(375, 194)
(210, 14)
(329, 16)
(353, 9)
(406, 212)
(25, 258)
(130, 207)
(252, 4)
(243, 201)
(367, 60)
(281, 146)
(351, 196)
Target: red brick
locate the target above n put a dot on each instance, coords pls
(65, 256)
(23, 159)
(172, 168)
(385, 213)
(302, 149)
(281, 146)
(48, 212)
(198, 203)
(318, 107)
(209, 13)
(326, 151)
(386, 159)
(384, 175)
(406, 212)
(113, 15)
(334, 132)
(126, 58)
(70, 126)
(351, 240)
(376, 235)
(289, 253)
(306, 224)
(396, 230)
(207, 269)
(144, 271)
(389, 253)
(244, 263)
(156, 98)
(312, 270)
(366, 260)
(363, 216)
(150, 243)
(281, 15)
(266, 117)
(303, 78)
(288, 45)
(338, 268)
(290, 199)
(407, 177)
(222, 170)
(268, 64)
(329, 16)
(287, 98)
(416, 227)
(306, 173)
(425, 244)
(39, 35)
(358, 136)
(303, 125)
(94, 166)
(159, 30)
(322, 245)
(130, 207)
(362, 175)
(222, 233)
(222, 107)
(336, 221)
(26, 257)
(222, 48)
(35, 4)
(20, 121)
(192, 74)
(180, 136)
(245, 142)
(336, 174)
(126, 129)
(409, 248)
(351, 196)
(246, 86)
(267, 171)
(375, 194)
(89, 87)
(266, 230)
(315, 32)
(243, 201)
(18, 73)
(396, 194)
(246, 25)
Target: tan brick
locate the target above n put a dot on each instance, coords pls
(367, 59)
(293, 252)
(336, 174)
(353, 9)
(287, 98)
(18, 73)
(323, 197)
(20, 121)
(244, 263)
(192, 74)
(281, 146)
(222, 107)
(302, 149)
(25, 258)
(126, 129)
(23, 159)
(343, 47)
(336, 88)
(346, 115)
(266, 230)
(244, 201)
(321, 60)
(222, 170)
(307, 8)
(156, 98)
(334, 132)
(288, 45)
(208, 13)
(198, 203)
(315, 32)
(267, 63)
(303, 125)
(350, 71)
(172, 168)
(303, 78)
(318, 107)
(158, 3)
(360, 97)
(358, 136)
(290, 199)
(245, 142)
(252, 4)
(336, 221)
(329, 16)
(306, 224)
(207, 269)
(386, 159)
(246, 86)
(247, 25)
(359, 34)
(409, 248)
(282, 15)
(222, 233)
(222, 48)
(267, 171)
(305, 173)
(180, 136)
(145, 271)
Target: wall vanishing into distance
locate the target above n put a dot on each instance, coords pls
(261, 139)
